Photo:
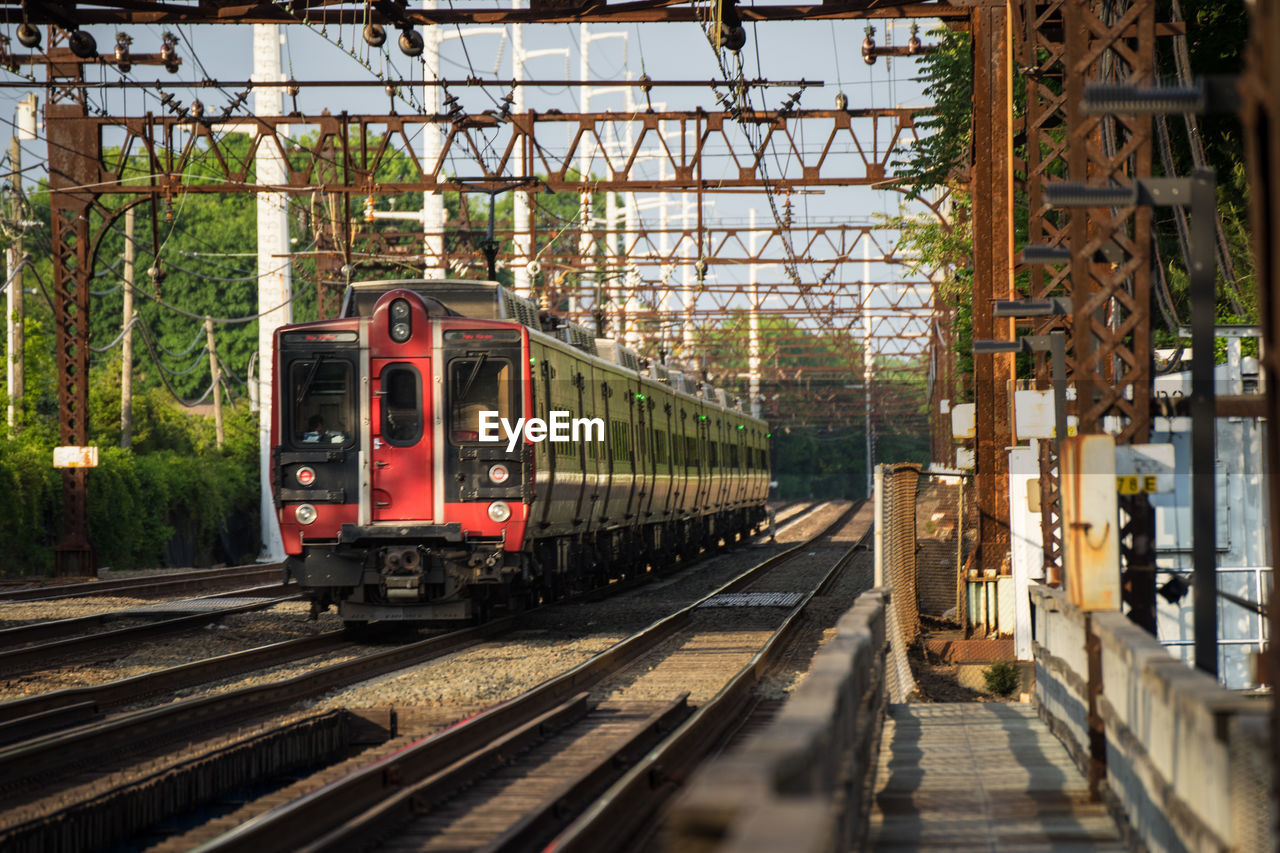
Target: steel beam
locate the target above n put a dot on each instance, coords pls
(1260, 89)
(992, 180)
(321, 12)
(73, 150)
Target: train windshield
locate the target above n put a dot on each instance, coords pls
(321, 402)
(477, 383)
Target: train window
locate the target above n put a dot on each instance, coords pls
(479, 383)
(712, 462)
(660, 447)
(618, 440)
(401, 395)
(320, 391)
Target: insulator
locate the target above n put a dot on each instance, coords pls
(197, 108)
(122, 53)
(375, 35)
(411, 43)
(28, 36)
(868, 50)
(83, 45)
(733, 38)
(842, 101)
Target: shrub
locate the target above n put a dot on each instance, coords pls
(1002, 678)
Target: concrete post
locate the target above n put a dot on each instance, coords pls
(275, 286)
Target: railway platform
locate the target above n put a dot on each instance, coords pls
(967, 776)
(1110, 742)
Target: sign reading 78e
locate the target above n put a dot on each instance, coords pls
(1144, 469)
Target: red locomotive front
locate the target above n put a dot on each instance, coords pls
(389, 504)
(443, 448)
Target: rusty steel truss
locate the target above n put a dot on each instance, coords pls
(1058, 46)
(393, 13)
(347, 159)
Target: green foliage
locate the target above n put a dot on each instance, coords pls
(30, 506)
(1001, 678)
(943, 151)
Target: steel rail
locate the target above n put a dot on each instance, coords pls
(619, 813)
(289, 827)
(13, 638)
(47, 755)
(161, 583)
(35, 715)
(489, 756)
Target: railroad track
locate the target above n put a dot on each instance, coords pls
(35, 715)
(44, 758)
(147, 587)
(472, 785)
(61, 637)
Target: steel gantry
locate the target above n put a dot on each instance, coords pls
(1059, 43)
(350, 158)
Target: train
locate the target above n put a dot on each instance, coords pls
(445, 449)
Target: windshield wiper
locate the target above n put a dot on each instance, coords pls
(306, 383)
(475, 371)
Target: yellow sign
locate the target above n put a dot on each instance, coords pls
(1137, 484)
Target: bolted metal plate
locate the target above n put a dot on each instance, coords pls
(753, 599)
(196, 605)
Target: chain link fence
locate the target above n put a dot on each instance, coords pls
(921, 545)
(895, 533)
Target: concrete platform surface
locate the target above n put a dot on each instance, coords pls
(970, 776)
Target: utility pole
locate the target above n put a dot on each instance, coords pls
(433, 212)
(126, 343)
(868, 362)
(14, 317)
(753, 341)
(275, 285)
(216, 372)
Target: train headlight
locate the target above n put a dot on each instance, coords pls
(401, 328)
(499, 511)
(306, 476)
(499, 474)
(305, 513)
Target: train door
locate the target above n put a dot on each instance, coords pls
(401, 478)
(687, 500)
(546, 458)
(668, 461)
(583, 504)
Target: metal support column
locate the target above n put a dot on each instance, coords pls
(74, 153)
(992, 270)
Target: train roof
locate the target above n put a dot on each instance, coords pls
(489, 300)
(480, 300)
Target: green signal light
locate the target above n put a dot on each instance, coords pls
(533, 361)
(768, 435)
(639, 396)
(740, 426)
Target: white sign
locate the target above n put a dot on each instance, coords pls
(963, 421)
(1033, 416)
(1144, 469)
(75, 457)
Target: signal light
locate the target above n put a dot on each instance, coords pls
(305, 513)
(306, 476)
(401, 321)
(499, 474)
